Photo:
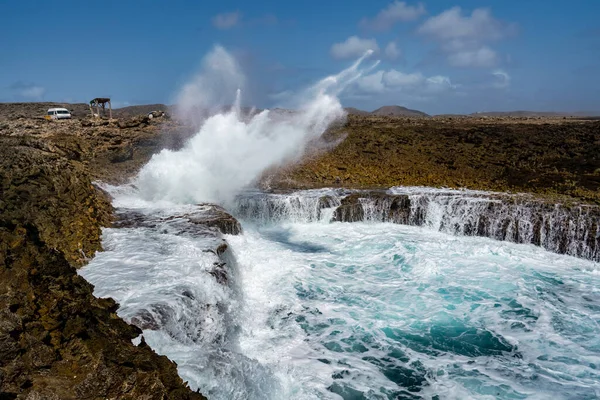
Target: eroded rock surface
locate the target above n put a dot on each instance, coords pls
(572, 229)
(57, 341)
(549, 156)
(205, 220)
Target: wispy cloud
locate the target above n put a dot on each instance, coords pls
(353, 47)
(392, 51)
(27, 91)
(227, 20)
(235, 19)
(464, 39)
(398, 11)
(502, 79)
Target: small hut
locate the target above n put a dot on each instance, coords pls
(100, 104)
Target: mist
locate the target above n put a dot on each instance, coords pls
(232, 149)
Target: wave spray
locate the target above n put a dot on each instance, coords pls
(231, 150)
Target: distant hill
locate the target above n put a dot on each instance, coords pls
(521, 113)
(355, 111)
(398, 111)
(131, 111)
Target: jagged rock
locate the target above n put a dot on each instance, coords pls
(122, 154)
(134, 122)
(377, 206)
(560, 228)
(327, 202)
(207, 217)
(220, 273)
(57, 341)
(216, 216)
(350, 210)
(41, 187)
(132, 219)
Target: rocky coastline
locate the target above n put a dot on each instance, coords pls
(58, 341)
(553, 158)
(572, 229)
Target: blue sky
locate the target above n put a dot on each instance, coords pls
(439, 56)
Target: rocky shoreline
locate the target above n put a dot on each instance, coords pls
(554, 158)
(564, 229)
(58, 341)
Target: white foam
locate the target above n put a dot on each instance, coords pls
(350, 276)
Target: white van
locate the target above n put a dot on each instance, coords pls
(58, 113)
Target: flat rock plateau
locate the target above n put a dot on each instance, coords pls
(552, 157)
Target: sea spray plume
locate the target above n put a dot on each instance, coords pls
(211, 88)
(230, 151)
(335, 84)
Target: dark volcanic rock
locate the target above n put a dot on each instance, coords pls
(377, 206)
(350, 210)
(57, 341)
(216, 216)
(204, 221)
(41, 187)
(572, 229)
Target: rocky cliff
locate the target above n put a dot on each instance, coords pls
(572, 229)
(57, 341)
(564, 227)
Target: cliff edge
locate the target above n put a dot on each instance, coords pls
(58, 341)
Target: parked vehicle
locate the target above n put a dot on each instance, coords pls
(58, 113)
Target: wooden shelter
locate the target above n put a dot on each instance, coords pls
(100, 104)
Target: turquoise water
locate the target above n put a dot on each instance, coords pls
(383, 311)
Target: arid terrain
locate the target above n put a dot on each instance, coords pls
(542, 155)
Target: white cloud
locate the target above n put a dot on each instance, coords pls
(393, 81)
(27, 91)
(353, 47)
(392, 51)
(227, 20)
(482, 57)
(451, 24)
(395, 12)
(395, 78)
(438, 83)
(464, 38)
(502, 79)
(371, 83)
